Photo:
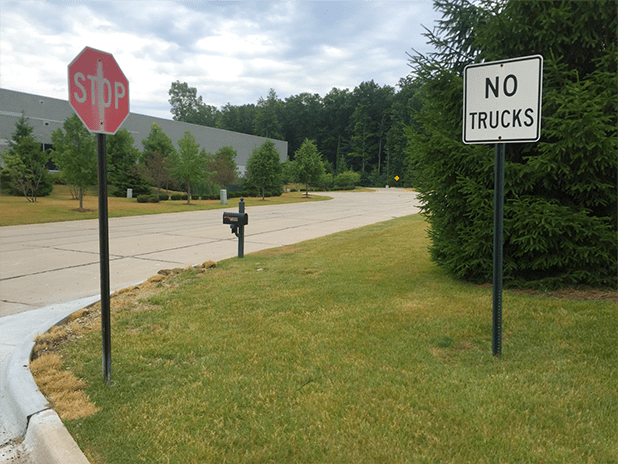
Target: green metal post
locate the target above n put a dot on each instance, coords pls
(498, 251)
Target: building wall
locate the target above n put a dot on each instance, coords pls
(47, 114)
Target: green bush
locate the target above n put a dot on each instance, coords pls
(163, 197)
(176, 197)
(347, 180)
(58, 179)
(46, 185)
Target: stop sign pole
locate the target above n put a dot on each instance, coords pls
(99, 94)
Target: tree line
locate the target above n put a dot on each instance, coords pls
(159, 165)
(360, 130)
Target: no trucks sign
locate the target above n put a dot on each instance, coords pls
(502, 101)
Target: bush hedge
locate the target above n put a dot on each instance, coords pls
(147, 199)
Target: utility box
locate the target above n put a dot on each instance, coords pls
(129, 193)
(223, 194)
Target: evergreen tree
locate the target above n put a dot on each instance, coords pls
(223, 166)
(122, 170)
(560, 193)
(154, 163)
(25, 163)
(266, 122)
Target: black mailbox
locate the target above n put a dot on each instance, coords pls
(236, 219)
(237, 222)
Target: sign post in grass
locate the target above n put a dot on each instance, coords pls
(99, 94)
(502, 104)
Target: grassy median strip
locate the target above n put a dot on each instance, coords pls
(349, 348)
(59, 206)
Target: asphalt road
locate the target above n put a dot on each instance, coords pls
(48, 264)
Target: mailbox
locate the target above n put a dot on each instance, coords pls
(236, 219)
(237, 222)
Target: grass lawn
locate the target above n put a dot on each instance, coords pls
(60, 207)
(350, 348)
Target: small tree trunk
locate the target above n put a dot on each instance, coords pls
(80, 193)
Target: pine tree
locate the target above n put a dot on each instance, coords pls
(25, 163)
(560, 193)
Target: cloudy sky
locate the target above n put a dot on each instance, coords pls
(232, 52)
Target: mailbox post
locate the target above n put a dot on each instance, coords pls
(237, 222)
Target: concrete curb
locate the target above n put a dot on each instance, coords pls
(48, 441)
(28, 412)
(25, 397)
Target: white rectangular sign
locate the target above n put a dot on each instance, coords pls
(502, 101)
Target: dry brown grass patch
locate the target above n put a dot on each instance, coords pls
(61, 388)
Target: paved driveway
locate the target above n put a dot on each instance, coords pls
(46, 264)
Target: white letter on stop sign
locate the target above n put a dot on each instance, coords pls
(76, 79)
(119, 92)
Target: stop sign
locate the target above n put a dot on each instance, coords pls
(98, 91)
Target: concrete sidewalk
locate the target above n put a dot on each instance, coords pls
(49, 271)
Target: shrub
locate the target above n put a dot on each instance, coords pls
(347, 179)
(58, 179)
(176, 197)
(195, 197)
(163, 197)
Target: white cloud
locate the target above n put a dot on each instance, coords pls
(230, 51)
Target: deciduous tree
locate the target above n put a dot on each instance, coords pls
(308, 165)
(188, 165)
(75, 154)
(188, 107)
(264, 168)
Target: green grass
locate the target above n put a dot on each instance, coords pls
(350, 348)
(60, 207)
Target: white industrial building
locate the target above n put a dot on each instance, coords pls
(46, 114)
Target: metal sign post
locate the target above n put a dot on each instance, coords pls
(502, 103)
(496, 345)
(106, 330)
(241, 230)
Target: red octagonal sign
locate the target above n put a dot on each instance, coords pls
(98, 91)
